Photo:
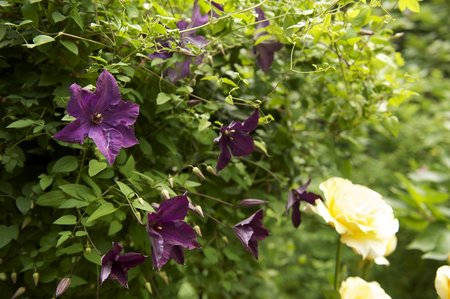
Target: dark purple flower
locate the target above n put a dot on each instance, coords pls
(250, 231)
(266, 49)
(295, 197)
(102, 116)
(116, 265)
(249, 202)
(235, 139)
(168, 232)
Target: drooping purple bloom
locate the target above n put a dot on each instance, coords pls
(102, 116)
(266, 49)
(250, 231)
(235, 140)
(168, 232)
(116, 265)
(295, 197)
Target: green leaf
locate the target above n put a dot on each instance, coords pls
(114, 227)
(93, 257)
(412, 5)
(7, 234)
(45, 181)
(162, 98)
(22, 123)
(57, 16)
(79, 191)
(392, 125)
(142, 205)
(203, 124)
(51, 199)
(72, 249)
(65, 164)
(127, 191)
(105, 209)
(65, 235)
(71, 46)
(77, 18)
(73, 203)
(23, 204)
(66, 220)
(228, 81)
(40, 40)
(95, 167)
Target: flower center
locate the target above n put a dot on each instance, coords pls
(97, 118)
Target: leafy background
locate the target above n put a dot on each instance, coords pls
(359, 90)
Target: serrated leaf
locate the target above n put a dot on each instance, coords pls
(65, 164)
(69, 45)
(66, 220)
(105, 209)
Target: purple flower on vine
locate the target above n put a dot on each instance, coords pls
(168, 232)
(250, 231)
(102, 116)
(235, 140)
(295, 197)
(116, 265)
(266, 49)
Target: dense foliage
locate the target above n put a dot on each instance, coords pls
(356, 89)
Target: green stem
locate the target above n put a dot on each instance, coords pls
(83, 158)
(338, 264)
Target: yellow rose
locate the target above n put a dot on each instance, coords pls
(356, 288)
(442, 282)
(364, 220)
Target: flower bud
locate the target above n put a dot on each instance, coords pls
(148, 286)
(19, 292)
(36, 278)
(197, 230)
(199, 210)
(14, 277)
(164, 276)
(25, 222)
(198, 172)
(63, 285)
(193, 102)
(88, 250)
(141, 200)
(165, 194)
(251, 202)
(3, 276)
(138, 216)
(211, 170)
(171, 181)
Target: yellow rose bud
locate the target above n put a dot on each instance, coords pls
(355, 288)
(364, 220)
(442, 282)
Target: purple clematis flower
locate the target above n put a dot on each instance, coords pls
(266, 49)
(168, 232)
(235, 140)
(295, 197)
(250, 231)
(102, 116)
(116, 265)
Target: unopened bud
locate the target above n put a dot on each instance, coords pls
(164, 276)
(88, 250)
(138, 216)
(19, 292)
(211, 170)
(148, 286)
(210, 59)
(141, 200)
(225, 239)
(251, 202)
(198, 172)
(14, 277)
(36, 278)
(197, 230)
(165, 194)
(3, 276)
(155, 205)
(26, 221)
(199, 210)
(193, 102)
(63, 285)
(171, 182)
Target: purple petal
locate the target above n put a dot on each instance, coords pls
(175, 208)
(197, 18)
(123, 113)
(119, 274)
(107, 92)
(225, 155)
(130, 260)
(108, 141)
(253, 247)
(251, 122)
(261, 17)
(292, 199)
(128, 136)
(310, 197)
(179, 233)
(296, 216)
(75, 131)
(265, 54)
(241, 144)
(244, 233)
(177, 254)
(80, 100)
(108, 260)
(179, 71)
(195, 39)
(303, 187)
(182, 25)
(160, 251)
(217, 7)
